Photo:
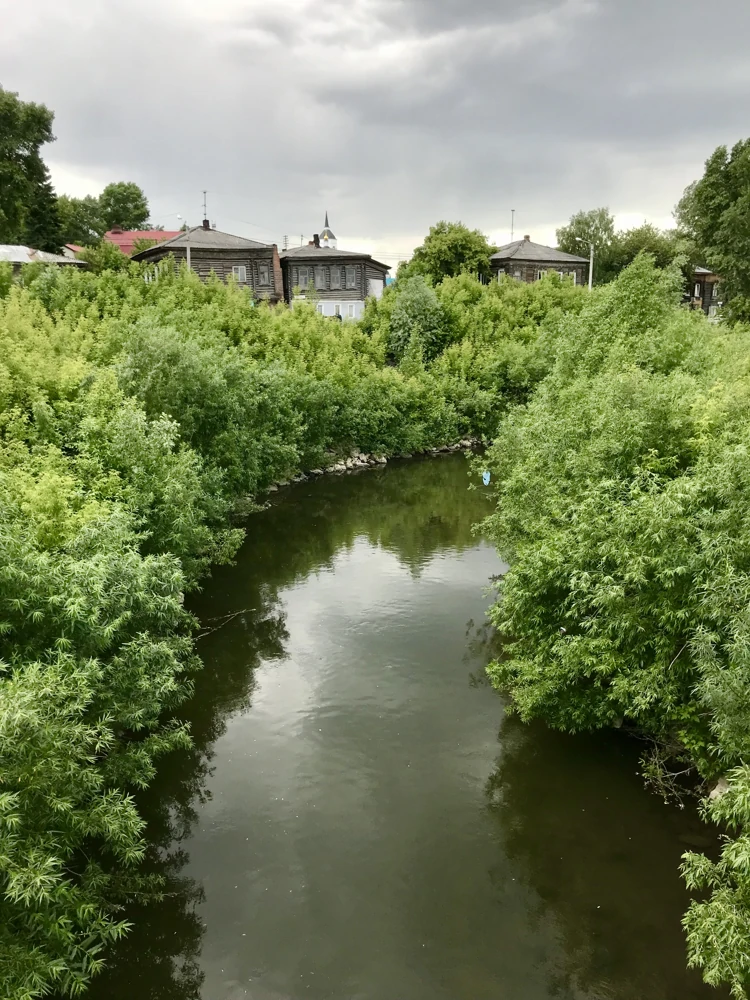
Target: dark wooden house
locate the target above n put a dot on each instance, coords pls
(253, 265)
(704, 291)
(339, 280)
(527, 261)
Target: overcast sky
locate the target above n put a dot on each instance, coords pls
(391, 114)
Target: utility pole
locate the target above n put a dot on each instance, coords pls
(591, 259)
(286, 242)
(205, 212)
(187, 240)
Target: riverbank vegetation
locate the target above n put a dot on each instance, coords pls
(622, 499)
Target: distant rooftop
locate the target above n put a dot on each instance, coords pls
(126, 239)
(14, 253)
(204, 239)
(312, 252)
(526, 250)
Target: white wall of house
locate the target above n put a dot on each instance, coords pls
(347, 310)
(375, 287)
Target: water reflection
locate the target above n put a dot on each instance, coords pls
(601, 856)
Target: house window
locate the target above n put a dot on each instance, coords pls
(517, 275)
(697, 291)
(336, 277)
(351, 277)
(320, 277)
(264, 274)
(304, 278)
(540, 274)
(575, 277)
(337, 309)
(320, 308)
(239, 271)
(352, 311)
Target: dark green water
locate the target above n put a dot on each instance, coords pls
(358, 819)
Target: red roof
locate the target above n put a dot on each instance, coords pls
(74, 247)
(126, 240)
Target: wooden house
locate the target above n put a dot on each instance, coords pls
(253, 265)
(527, 261)
(338, 280)
(704, 293)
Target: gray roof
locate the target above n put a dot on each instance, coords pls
(526, 250)
(17, 254)
(204, 239)
(703, 270)
(315, 253)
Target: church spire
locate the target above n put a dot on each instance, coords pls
(326, 237)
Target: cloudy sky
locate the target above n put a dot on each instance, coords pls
(391, 114)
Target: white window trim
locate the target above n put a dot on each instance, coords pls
(352, 310)
(239, 271)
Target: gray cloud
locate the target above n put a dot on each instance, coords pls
(390, 113)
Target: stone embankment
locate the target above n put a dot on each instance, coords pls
(361, 460)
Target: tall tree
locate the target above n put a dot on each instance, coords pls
(596, 226)
(24, 128)
(123, 204)
(450, 248)
(80, 220)
(715, 213)
(662, 245)
(41, 228)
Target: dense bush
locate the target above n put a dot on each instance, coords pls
(622, 506)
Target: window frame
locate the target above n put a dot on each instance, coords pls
(239, 273)
(319, 272)
(336, 276)
(352, 311)
(300, 270)
(351, 273)
(264, 267)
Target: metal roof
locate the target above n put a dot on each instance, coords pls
(204, 239)
(314, 253)
(14, 253)
(526, 250)
(125, 239)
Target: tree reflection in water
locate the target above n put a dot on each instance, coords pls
(601, 856)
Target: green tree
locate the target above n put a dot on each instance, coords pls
(663, 246)
(123, 204)
(42, 228)
(24, 128)
(80, 220)
(418, 322)
(596, 226)
(449, 249)
(714, 212)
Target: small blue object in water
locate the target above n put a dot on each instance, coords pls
(486, 478)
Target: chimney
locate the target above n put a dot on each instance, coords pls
(316, 240)
(206, 224)
(528, 239)
(116, 229)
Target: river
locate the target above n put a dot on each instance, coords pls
(358, 819)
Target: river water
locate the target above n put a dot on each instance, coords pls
(358, 819)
